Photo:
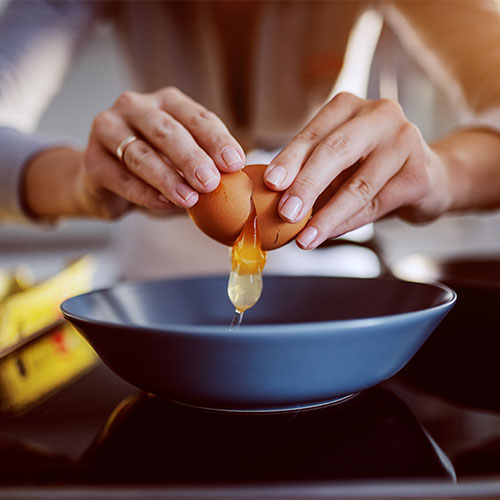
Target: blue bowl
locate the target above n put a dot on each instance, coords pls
(309, 341)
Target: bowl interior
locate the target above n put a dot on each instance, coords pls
(285, 300)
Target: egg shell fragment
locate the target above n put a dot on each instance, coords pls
(274, 231)
(222, 213)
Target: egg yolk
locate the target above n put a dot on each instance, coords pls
(247, 263)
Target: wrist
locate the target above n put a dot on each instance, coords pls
(471, 162)
(49, 184)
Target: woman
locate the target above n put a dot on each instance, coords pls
(217, 79)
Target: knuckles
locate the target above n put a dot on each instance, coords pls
(336, 144)
(390, 109)
(362, 189)
(102, 121)
(343, 99)
(192, 159)
(127, 99)
(410, 135)
(161, 126)
(170, 92)
(306, 189)
(308, 136)
(201, 119)
(137, 154)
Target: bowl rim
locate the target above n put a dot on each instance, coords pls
(314, 327)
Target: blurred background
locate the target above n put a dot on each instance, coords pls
(100, 75)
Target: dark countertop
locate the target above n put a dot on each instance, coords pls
(98, 437)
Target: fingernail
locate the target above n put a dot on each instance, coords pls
(307, 236)
(185, 192)
(205, 175)
(231, 157)
(275, 176)
(163, 199)
(291, 208)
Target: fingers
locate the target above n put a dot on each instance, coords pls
(353, 140)
(406, 188)
(397, 195)
(107, 188)
(179, 151)
(361, 188)
(362, 159)
(168, 136)
(145, 163)
(286, 165)
(359, 200)
(206, 127)
(192, 138)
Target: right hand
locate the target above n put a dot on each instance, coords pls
(180, 150)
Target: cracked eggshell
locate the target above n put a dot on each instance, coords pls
(222, 213)
(274, 231)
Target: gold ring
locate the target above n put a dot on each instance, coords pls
(120, 150)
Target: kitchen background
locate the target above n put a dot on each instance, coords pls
(101, 74)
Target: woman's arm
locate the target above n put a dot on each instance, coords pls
(367, 160)
(179, 147)
(458, 44)
(472, 159)
(177, 150)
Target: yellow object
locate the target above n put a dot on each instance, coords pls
(27, 312)
(247, 263)
(18, 280)
(43, 366)
(5, 283)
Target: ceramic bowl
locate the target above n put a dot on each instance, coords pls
(309, 341)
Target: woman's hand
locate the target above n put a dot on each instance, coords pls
(179, 149)
(365, 160)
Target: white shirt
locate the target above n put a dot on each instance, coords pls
(294, 65)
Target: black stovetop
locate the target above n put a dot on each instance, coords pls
(96, 432)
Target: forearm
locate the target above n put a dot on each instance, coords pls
(50, 181)
(471, 159)
(457, 44)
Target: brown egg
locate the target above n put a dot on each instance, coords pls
(222, 213)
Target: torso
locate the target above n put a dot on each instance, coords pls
(236, 24)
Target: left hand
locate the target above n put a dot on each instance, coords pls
(367, 159)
